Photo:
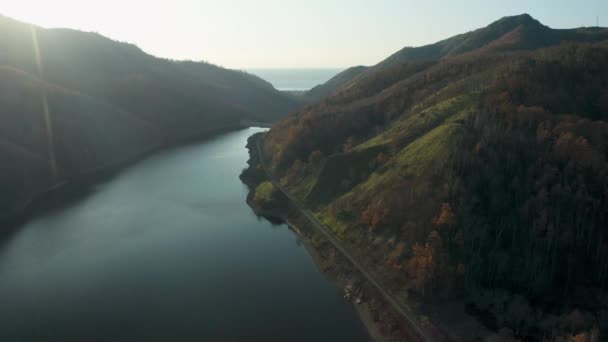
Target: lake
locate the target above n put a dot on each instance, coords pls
(295, 79)
(168, 250)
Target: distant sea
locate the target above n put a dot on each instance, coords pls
(295, 79)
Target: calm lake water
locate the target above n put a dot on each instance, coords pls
(168, 250)
(295, 79)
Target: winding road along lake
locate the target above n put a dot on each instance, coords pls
(168, 250)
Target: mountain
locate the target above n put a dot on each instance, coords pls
(513, 33)
(108, 102)
(323, 90)
(472, 172)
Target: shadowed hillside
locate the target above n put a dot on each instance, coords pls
(108, 102)
(477, 170)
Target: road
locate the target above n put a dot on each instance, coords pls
(404, 312)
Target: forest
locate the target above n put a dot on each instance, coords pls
(482, 177)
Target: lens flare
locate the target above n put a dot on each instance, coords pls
(45, 106)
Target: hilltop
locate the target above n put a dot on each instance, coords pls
(508, 34)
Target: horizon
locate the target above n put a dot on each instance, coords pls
(290, 36)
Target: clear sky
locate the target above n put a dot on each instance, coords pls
(248, 34)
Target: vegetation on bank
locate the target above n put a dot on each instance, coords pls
(264, 193)
(479, 177)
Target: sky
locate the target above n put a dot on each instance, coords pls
(247, 34)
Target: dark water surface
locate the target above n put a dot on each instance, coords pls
(168, 250)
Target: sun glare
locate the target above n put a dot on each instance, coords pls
(43, 13)
(82, 15)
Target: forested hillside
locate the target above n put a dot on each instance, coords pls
(328, 88)
(90, 102)
(476, 172)
(517, 33)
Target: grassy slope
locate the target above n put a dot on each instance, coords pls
(433, 132)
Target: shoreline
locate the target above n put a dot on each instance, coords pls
(381, 321)
(440, 320)
(66, 191)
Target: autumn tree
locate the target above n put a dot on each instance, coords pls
(446, 215)
(373, 216)
(421, 266)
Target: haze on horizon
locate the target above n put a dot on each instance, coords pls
(290, 34)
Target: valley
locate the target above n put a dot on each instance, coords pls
(451, 191)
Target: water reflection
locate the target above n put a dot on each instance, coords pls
(167, 250)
